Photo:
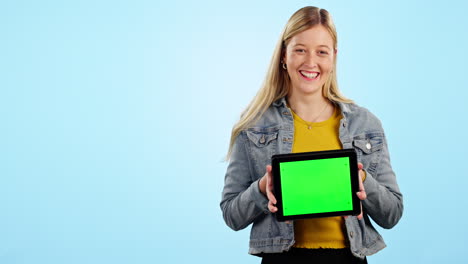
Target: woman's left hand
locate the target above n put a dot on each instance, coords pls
(362, 192)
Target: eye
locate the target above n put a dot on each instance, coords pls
(323, 52)
(299, 50)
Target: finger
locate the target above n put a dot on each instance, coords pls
(362, 195)
(362, 192)
(269, 183)
(360, 166)
(271, 197)
(272, 208)
(269, 188)
(269, 176)
(359, 217)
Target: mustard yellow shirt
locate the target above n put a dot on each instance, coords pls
(328, 232)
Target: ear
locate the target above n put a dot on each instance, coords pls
(283, 54)
(336, 51)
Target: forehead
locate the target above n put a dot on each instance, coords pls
(314, 36)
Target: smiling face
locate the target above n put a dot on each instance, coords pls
(309, 57)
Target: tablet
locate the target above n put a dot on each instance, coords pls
(316, 184)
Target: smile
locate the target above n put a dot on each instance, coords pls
(309, 75)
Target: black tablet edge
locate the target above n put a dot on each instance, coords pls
(351, 153)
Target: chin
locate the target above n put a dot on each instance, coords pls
(309, 90)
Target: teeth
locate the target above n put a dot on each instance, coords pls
(310, 75)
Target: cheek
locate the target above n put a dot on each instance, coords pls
(288, 59)
(328, 65)
(290, 71)
(293, 59)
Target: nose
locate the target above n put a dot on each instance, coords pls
(311, 60)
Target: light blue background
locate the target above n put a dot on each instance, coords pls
(116, 116)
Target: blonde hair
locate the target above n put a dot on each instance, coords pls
(277, 84)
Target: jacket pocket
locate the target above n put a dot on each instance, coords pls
(262, 145)
(368, 148)
(261, 139)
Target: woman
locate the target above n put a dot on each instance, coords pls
(299, 108)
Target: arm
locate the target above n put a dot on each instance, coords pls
(384, 203)
(242, 201)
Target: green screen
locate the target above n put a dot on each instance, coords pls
(316, 186)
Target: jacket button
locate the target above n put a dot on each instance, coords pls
(368, 145)
(262, 139)
(351, 234)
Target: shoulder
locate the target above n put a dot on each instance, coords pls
(272, 118)
(358, 116)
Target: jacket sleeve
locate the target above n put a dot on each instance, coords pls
(384, 203)
(242, 202)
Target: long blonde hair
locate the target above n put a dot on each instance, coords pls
(277, 83)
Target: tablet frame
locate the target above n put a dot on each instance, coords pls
(316, 155)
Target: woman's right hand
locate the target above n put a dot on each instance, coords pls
(266, 187)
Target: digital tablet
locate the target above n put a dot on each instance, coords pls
(316, 184)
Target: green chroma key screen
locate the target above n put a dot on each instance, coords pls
(316, 186)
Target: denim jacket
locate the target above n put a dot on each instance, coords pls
(243, 204)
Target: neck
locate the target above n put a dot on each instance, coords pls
(311, 108)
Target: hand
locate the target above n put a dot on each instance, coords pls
(362, 195)
(266, 187)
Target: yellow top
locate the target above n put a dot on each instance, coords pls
(328, 232)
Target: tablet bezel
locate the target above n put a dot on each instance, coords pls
(316, 155)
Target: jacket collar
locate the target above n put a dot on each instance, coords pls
(280, 102)
(345, 108)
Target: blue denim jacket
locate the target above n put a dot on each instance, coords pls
(243, 204)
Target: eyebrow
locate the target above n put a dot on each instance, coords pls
(323, 46)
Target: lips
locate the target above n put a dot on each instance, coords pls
(309, 75)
